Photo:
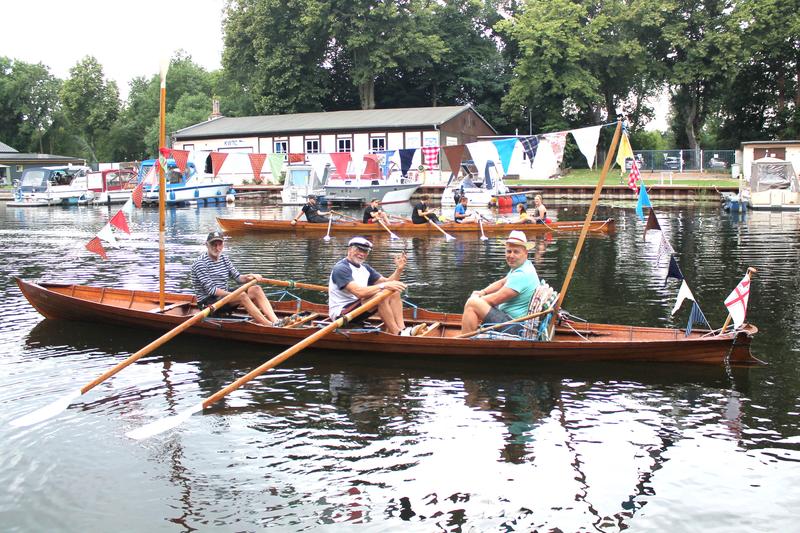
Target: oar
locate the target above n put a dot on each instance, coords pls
(483, 235)
(401, 219)
(165, 424)
(448, 237)
(56, 407)
(327, 236)
(520, 319)
(354, 219)
(391, 233)
(294, 284)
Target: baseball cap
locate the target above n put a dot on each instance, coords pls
(518, 238)
(310, 196)
(214, 236)
(360, 242)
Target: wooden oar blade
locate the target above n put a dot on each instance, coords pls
(164, 424)
(48, 411)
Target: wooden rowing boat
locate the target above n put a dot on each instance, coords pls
(234, 225)
(573, 341)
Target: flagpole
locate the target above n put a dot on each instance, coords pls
(162, 183)
(750, 272)
(597, 190)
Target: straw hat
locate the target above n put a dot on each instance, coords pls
(518, 238)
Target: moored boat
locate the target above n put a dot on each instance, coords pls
(573, 341)
(185, 187)
(233, 225)
(51, 186)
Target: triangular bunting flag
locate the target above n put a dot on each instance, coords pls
(107, 235)
(674, 270)
(625, 151)
(530, 145)
(256, 164)
(151, 178)
(386, 161)
(558, 141)
(138, 194)
(217, 159)
(644, 200)
(341, 160)
(127, 208)
(586, 139)
(96, 247)
(406, 158)
(683, 293)
(633, 176)
(696, 317)
(297, 158)
(181, 157)
(119, 221)
(482, 152)
(652, 223)
(431, 156)
(664, 247)
(276, 166)
(454, 155)
(505, 148)
(736, 302)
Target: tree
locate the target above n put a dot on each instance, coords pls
(91, 105)
(28, 103)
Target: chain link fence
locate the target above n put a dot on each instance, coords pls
(717, 161)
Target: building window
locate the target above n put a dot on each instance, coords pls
(312, 146)
(377, 144)
(20, 168)
(281, 147)
(344, 145)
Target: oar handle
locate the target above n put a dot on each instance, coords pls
(169, 335)
(520, 319)
(294, 284)
(343, 215)
(308, 341)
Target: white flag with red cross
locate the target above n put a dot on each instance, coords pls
(736, 302)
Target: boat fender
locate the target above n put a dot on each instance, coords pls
(172, 195)
(197, 193)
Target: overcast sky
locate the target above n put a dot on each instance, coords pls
(127, 38)
(122, 36)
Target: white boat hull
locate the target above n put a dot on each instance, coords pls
(352, 192)
(216, 192)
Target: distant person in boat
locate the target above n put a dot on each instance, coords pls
(524, 217)
(353, 282)
(373, 213)
(539, 210)
(312, 212)
(210, 275)
(461, 215)
(421, 211)
(509, 297)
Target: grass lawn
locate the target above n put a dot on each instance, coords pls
(590, 177)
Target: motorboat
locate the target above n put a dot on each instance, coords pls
(479, 192)
(362, 187)
(301, 181)
(772, 186)
(50, 186)
(112, 186)
(183, 187)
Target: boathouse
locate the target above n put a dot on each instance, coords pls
(361, 131)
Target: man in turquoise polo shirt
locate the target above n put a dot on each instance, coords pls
(507, 298)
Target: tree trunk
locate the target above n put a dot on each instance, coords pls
(366, 94)
(690, 118)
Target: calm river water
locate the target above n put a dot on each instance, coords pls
(333, 442)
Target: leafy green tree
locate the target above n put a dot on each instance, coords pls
(278, 49)
(91, 105)
(28, 103)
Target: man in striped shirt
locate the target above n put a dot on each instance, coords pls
(210, 275)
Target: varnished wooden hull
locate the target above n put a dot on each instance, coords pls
(606, 342)
(233, 225)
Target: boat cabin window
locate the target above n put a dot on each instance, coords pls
(60, 178)
(299, 177)
(175, 175)
(34, 178)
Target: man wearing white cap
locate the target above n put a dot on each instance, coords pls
(507, 298)
(353, 282)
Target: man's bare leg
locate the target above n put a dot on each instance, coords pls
(475, 310)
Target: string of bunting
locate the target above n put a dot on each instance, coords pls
(735, 303)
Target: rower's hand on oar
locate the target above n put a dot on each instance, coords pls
(294, 222)
(400, 261)
(396, 286)
(251, 277)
